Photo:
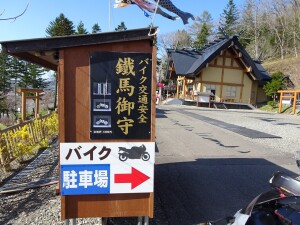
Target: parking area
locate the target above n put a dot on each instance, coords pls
(207, 167)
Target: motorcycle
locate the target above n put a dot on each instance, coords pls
(134, 153)
(279, 206)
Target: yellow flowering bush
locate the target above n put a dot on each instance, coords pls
(26, 139)
(23, 143)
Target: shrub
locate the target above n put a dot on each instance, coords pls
(272, 103)
(25, 139)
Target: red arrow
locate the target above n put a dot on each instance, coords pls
(135, 178)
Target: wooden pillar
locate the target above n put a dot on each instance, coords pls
(183, 87)
(23, 106)
(37, 102)
(242, 89)
(222, 76)
(294, 103)
(280, 102)
(177, 90)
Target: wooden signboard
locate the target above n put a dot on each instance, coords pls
(106, 94)
(120, 85)
(106, 105)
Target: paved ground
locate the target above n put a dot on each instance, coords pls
(205, 169)
(209, 163)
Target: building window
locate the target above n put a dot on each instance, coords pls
(230, 91)
(210, 88)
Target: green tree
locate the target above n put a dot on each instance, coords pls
(60, 26)
(229, 19)
(25, 76)
(81, 29)
(5, 78)
(36, 76)
(121, 27)
(96, 28)
(5, 73)
(272, 87)
(202, 37)
(195, 28)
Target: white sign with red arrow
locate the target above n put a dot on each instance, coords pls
(107, 168)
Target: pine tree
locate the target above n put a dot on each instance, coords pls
(5, 73)
(37, 73)
(31, 75)
(60, 26)
(81, 29)
(121, 27)
(25, 78)
(229, 19)
(96, 28)
(202, 37)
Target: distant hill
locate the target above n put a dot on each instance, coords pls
(288, 66)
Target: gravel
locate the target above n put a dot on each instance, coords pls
(283, 125)
(42, 206)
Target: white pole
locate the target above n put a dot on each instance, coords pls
(109, 15)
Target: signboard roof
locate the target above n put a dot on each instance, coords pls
(45, 51)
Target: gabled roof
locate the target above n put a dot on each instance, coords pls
(44, 51)
(191, 62)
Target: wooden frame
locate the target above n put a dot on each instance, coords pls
(291, 94)
(24, 92)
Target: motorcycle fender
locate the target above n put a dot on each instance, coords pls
(240, 218)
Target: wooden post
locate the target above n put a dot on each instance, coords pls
(280, 102)
(177, 90)
(37, 102)
(23, 106)
(4, 156)
(183, 87)
(294, 103)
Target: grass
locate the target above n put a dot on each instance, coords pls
(2, 126)
(285, 109)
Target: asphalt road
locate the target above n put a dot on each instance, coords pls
(204, 171)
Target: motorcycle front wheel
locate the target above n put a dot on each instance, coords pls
(146, 156)
(123, 157)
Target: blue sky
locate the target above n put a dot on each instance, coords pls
(40, 12)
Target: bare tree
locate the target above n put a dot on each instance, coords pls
(195, 28)
(295, 7)
(255, 37)
(278, 13)
(14, 17)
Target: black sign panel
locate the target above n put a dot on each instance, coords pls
(120, 95)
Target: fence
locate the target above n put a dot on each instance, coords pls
(18, 141)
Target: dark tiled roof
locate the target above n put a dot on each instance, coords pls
(184, 60)
(191, 62)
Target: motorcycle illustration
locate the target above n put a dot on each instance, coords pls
(133, 153)
(279, 206)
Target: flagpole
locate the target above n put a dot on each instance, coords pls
(109, 9)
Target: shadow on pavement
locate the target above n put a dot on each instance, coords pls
(209, 189)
